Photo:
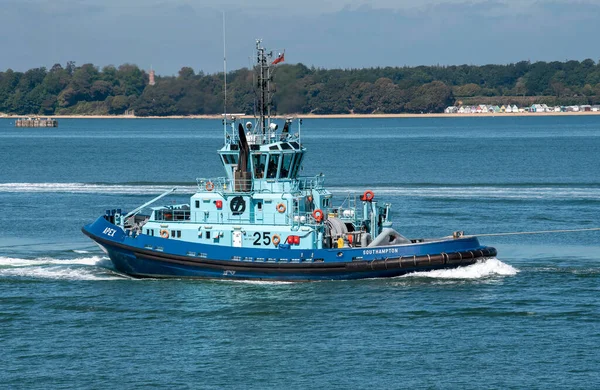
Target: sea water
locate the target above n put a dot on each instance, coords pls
(526, 319)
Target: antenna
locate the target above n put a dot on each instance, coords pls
(224, 70)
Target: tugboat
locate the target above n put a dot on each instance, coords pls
(263, 221)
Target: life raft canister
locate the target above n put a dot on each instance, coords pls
(318, 215)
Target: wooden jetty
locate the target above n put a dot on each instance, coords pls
(36, 122)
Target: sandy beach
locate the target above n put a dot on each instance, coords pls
(444, 115)
(317, 116)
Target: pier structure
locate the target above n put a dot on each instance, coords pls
(36, 122)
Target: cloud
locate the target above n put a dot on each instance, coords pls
(344, 34)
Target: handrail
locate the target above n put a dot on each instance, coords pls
(227, 185)
(254, 135)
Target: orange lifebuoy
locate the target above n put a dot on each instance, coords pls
(276, 240)
(209, 186)
(368, 195)
(318, 215)
(281, 208)
(164, 233)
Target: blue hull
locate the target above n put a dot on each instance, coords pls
(147, 256)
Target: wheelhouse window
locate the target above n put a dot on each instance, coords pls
(273, 166)
(286, 165)
(259, 161)
(297, 164)
(230, 158)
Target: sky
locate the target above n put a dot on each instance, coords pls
(169, 34)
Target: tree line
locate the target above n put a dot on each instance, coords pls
(89, 90)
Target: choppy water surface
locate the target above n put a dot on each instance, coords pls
(527, 319)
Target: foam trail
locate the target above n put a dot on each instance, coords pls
(58, 269)
(417, 191)
(257, 282)
(57, 273)
(84, 188)
(479, 192)
(16, 262)
(481, 269)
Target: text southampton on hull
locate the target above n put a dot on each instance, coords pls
(261, 220)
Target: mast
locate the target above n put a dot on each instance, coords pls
(264, 86)
(224, 71)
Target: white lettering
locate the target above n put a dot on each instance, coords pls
(109, 232)
(384, 251)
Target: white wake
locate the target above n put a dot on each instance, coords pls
(487, 192)
(480, 270)
(84, 188)
(466, 192)
(85, 268)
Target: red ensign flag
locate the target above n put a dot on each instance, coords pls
(278, 59)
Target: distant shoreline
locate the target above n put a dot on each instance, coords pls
(318, 116)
